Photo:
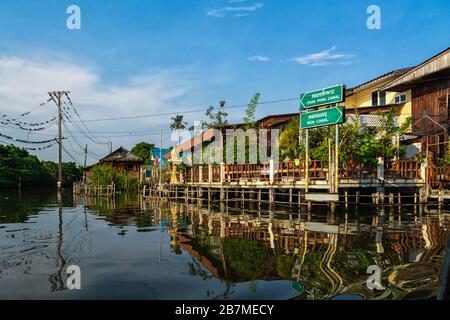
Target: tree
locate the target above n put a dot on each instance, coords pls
(178, 124)
(249, 118)
(218, 118)
(289, 145)
(143, 150)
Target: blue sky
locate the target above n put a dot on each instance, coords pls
(143, 57)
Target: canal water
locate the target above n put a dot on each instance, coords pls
(132, 249)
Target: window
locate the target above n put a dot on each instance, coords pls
(382, 95)
(378, 98)
(375, 98)
(400, 98)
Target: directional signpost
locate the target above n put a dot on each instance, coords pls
(324, 117)
(322, 97)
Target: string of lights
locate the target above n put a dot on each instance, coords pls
(41, 105)
(5, 119)
(26, 141)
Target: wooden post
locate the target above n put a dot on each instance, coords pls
(290, 196)
(222, 173)
(271, 171)
(357, 197)
(346, 199)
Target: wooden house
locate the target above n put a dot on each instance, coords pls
(429, 84)
(122, 160)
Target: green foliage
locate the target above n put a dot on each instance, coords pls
(104, 174)
(357, 143)
(249, 118)
(217, 116)
(18, 166)
(178, 124)
(143, 150)
(289, 141)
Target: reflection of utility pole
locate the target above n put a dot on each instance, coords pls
(56, 97)
(84, 167)
(57, 279)
(160, 159)
(160, 235)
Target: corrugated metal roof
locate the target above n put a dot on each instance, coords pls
(121, 155)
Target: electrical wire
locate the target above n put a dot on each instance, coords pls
(185, 111)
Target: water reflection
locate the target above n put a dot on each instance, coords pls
(130, 248)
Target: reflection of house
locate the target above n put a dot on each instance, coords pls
(122, 160)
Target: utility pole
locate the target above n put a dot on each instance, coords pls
(84, 167)
(56, 97)
(160, 159)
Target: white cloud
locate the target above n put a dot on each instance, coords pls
(235, 11)
(24, 84)
(324, 58)
(259, 58)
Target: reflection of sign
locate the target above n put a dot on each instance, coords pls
(297, 286)
(322, 97)
(324, 117)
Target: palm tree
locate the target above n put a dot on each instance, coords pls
(178, 124)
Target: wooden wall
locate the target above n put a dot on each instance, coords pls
(427, 97)
(433, 98)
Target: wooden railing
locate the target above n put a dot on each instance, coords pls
(354, 170)
(251, 172)
(402, 169)
(291, 171)
(438, 177)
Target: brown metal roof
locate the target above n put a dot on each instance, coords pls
(439, 63)
(392, 75)
(121, 155)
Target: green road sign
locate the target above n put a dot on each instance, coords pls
(324, 117)
(322, 97)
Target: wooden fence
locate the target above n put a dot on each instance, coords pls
(291, 171)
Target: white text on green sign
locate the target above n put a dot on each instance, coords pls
(323, 117)
(322, 97)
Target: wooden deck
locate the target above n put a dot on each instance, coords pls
(288, 174)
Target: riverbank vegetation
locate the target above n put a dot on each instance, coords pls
(18, 167)
(105, 174)
(357, 143)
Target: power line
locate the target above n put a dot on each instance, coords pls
(184, 111)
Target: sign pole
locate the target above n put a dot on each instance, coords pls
(336, 164)
(307, 161)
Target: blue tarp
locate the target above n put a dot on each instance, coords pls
(156, 154)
